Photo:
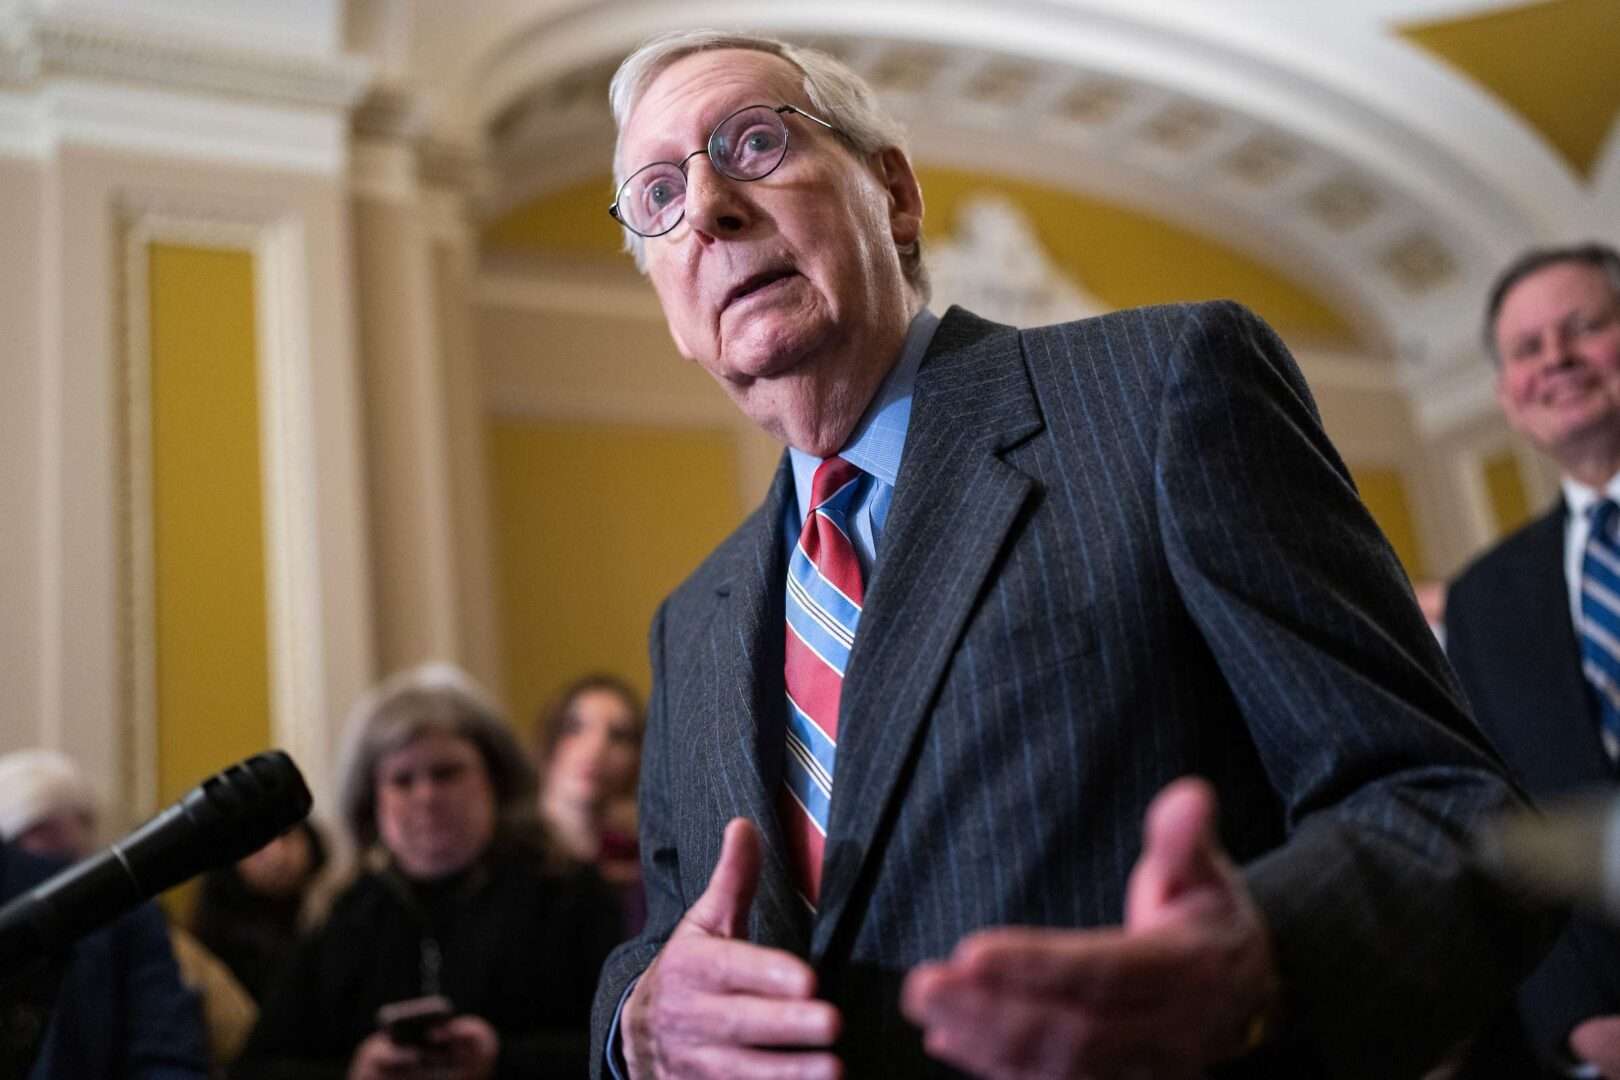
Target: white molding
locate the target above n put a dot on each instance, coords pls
(993, 263)
(163, 122)
(74, 78)
(42, 45)
(53, 481)
(1443, 156)
(292, 577)
(383, 169)
(629, 300)
(24, 132)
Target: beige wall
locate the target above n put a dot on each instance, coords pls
(25, 223)
(426, 474)
(477, 602)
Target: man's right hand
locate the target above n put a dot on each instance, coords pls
(713, 1005)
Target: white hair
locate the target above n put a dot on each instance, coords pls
(38, 784)
(837, 95)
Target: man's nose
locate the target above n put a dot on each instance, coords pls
(1561, 347)
(715, 204)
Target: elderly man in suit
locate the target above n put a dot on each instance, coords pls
(1531, 625)
(1010, 592)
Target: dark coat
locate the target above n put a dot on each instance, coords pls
(120, 1012)
(521, 948)
(251, 932)
(1120, 551)
(1511, 639)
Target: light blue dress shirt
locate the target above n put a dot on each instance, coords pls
(874, 448)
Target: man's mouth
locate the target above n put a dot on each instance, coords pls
(756, 283)
(1567, 389)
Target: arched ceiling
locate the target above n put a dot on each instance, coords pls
(1370, 162)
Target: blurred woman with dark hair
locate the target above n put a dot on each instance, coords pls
(588, 753)
(461, 950)
(248, 914)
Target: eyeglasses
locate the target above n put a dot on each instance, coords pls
(747, 145)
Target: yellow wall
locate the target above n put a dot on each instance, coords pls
(212, 651)
(594, 525)
(1384, 492)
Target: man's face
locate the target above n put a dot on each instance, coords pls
(788, 290)
(1558, 340)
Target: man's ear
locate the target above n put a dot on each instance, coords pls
(905, 196)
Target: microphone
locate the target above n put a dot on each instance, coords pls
(1569, 852)
(226, 817)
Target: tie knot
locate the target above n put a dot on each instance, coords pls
(834, 477)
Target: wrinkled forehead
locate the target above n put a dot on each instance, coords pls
(682, 104)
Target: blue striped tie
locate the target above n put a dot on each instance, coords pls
(1600, 620)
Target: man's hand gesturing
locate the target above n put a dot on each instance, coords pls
(1187, 981)
(714, 1005)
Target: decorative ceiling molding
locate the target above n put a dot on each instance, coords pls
(1370, 247)
(993, 264)
(36, 47)
(130, 119)
(394, 115)
(1315, 139)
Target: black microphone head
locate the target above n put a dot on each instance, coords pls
(228, 816)
(244, 807)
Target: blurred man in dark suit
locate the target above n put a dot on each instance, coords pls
(1533, 626)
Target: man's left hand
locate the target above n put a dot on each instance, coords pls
(1188, 981)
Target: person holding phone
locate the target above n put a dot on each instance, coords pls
(462, 950)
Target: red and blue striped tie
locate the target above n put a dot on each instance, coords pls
(824, 595)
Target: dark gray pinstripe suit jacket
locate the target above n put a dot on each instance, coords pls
(1120, 551)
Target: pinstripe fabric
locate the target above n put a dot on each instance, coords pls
(1119, 551)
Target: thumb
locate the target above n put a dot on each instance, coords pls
(722, 910)
(1182, 869)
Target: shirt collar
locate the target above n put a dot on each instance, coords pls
(880, 436)
(1580, 498)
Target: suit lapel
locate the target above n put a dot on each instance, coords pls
(955, 503)
(746, 751)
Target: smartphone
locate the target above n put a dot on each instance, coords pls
(409, 1023)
